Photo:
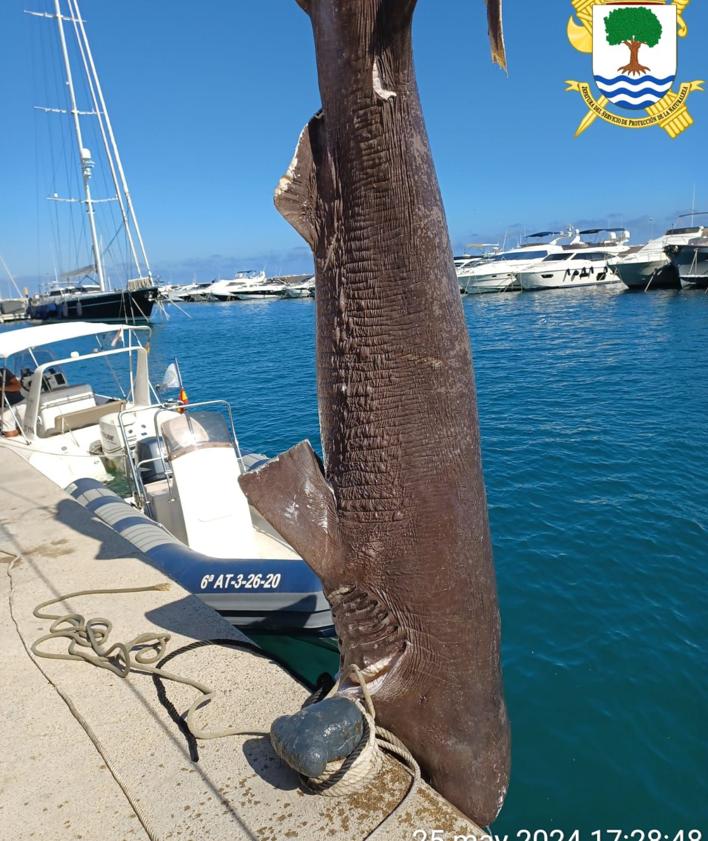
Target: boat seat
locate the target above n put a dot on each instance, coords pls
(216, 515)
(54, 403)
(89, 416)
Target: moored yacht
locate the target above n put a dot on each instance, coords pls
(499, 273)
(198, 293)
(89, 301)
(578, 264)
(12, 308)
(225, 290)
(269, 290)
(305, 288)
(467, 261)
(650, 267)
(691, 262)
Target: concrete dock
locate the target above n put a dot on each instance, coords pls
(89, 755)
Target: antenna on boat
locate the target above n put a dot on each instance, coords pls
(85, 155)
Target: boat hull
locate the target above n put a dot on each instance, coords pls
(123, 305)
(537, 281)
(691, 262)
(13, 306)
(258, 296)
(251, 593)
(485, 285)
(652, 274)
(61, 458)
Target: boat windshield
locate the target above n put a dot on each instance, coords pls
(194, 431)
(672, 232)
(519, 255)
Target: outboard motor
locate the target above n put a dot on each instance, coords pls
(151, 451)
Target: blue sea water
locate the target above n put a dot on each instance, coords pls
(593, 408)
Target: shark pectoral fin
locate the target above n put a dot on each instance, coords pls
(496, 32)
(296, 192)
(292, 494)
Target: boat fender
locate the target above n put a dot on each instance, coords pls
(316, 735)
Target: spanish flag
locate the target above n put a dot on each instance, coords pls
(183, 399)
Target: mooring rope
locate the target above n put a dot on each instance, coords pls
(343, 777)
(89, 642)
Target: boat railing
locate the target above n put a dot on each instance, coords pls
(133, 465)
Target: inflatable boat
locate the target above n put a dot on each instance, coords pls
(272, 594)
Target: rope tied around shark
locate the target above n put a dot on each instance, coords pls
(338, 721)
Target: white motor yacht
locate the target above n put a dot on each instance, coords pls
(225, 290)
(500, 272)
(198, 293)
(650, 267)
(304, 289)
(578, 264)
(483, 253)
(269, 290)
(76, 403)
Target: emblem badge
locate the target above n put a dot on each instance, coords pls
(634, 48)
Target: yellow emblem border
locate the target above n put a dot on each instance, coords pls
(670, 113)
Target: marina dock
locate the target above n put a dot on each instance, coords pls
(88, 754)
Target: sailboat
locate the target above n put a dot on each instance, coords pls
(86, 292)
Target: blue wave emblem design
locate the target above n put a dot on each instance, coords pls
(634, 93)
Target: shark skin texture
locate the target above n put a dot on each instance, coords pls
(395, 520)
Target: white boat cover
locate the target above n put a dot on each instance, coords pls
(15, 341)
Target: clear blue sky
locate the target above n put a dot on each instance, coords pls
(208, 99)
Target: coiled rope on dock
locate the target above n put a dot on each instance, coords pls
(88, 641)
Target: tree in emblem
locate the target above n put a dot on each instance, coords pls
(633, 27)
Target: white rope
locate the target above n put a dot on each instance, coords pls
(88, 641)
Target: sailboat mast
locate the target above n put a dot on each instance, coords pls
(84, 154)
(76, 15)
(109, 129)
